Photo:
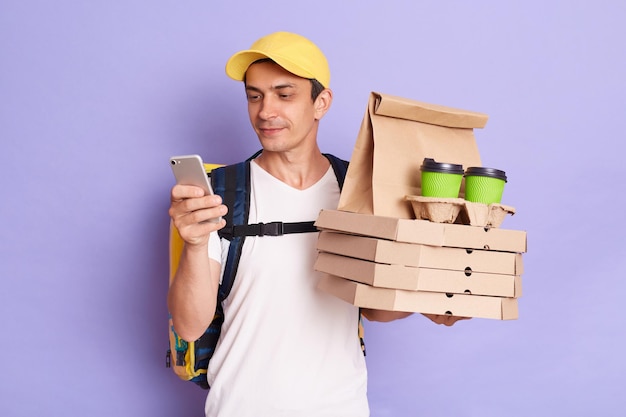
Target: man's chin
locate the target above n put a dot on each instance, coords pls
(273, 144)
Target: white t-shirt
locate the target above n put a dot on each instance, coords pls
(286, 348)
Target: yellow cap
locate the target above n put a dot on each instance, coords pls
(293, 52)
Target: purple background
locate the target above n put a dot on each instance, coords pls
(95, 96)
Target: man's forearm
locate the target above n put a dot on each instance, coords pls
(383, 315)
(193, 294)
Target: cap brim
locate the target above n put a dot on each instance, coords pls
(239, 63)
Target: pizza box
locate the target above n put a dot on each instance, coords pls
(419, 279)
(463, 305)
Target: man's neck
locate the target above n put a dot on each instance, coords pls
(298, 170)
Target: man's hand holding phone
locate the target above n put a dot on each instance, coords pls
(194, 209)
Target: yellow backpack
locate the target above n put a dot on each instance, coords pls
(181, 354)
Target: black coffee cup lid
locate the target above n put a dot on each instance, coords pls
(486, 172)
(430, 165)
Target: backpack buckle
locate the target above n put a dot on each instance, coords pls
(271, 229)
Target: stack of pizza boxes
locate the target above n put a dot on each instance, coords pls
(387, 248)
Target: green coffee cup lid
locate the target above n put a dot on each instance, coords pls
(486, 172)
(430, 165)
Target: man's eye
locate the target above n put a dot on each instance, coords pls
(254, 97)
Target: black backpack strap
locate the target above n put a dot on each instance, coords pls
(340, 167)
(238, 227)
(232, 182)
(273, 228)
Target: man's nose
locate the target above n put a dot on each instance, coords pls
(268, 108)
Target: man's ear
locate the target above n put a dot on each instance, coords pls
(322, 103)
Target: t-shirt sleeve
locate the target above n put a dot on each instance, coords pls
(215, 247)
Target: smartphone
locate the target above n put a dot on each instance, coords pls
(189, 170)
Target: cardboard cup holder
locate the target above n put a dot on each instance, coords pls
(459, 210)
(436, 209)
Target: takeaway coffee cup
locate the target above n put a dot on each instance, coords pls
(441, 179)
(484, 185)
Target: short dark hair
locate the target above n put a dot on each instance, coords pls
(316, 86)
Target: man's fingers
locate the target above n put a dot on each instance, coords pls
(446, 320)
(181, 192)
(192, 212)
(188, 198)
(204, 214)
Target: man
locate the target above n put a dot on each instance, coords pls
(286, 348)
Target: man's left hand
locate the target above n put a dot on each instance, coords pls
(445, 319)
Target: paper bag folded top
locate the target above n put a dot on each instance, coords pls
(401, 108)
(395, 136)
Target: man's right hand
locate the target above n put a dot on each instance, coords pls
(190, 211)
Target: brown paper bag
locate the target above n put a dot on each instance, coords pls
(395, 136)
